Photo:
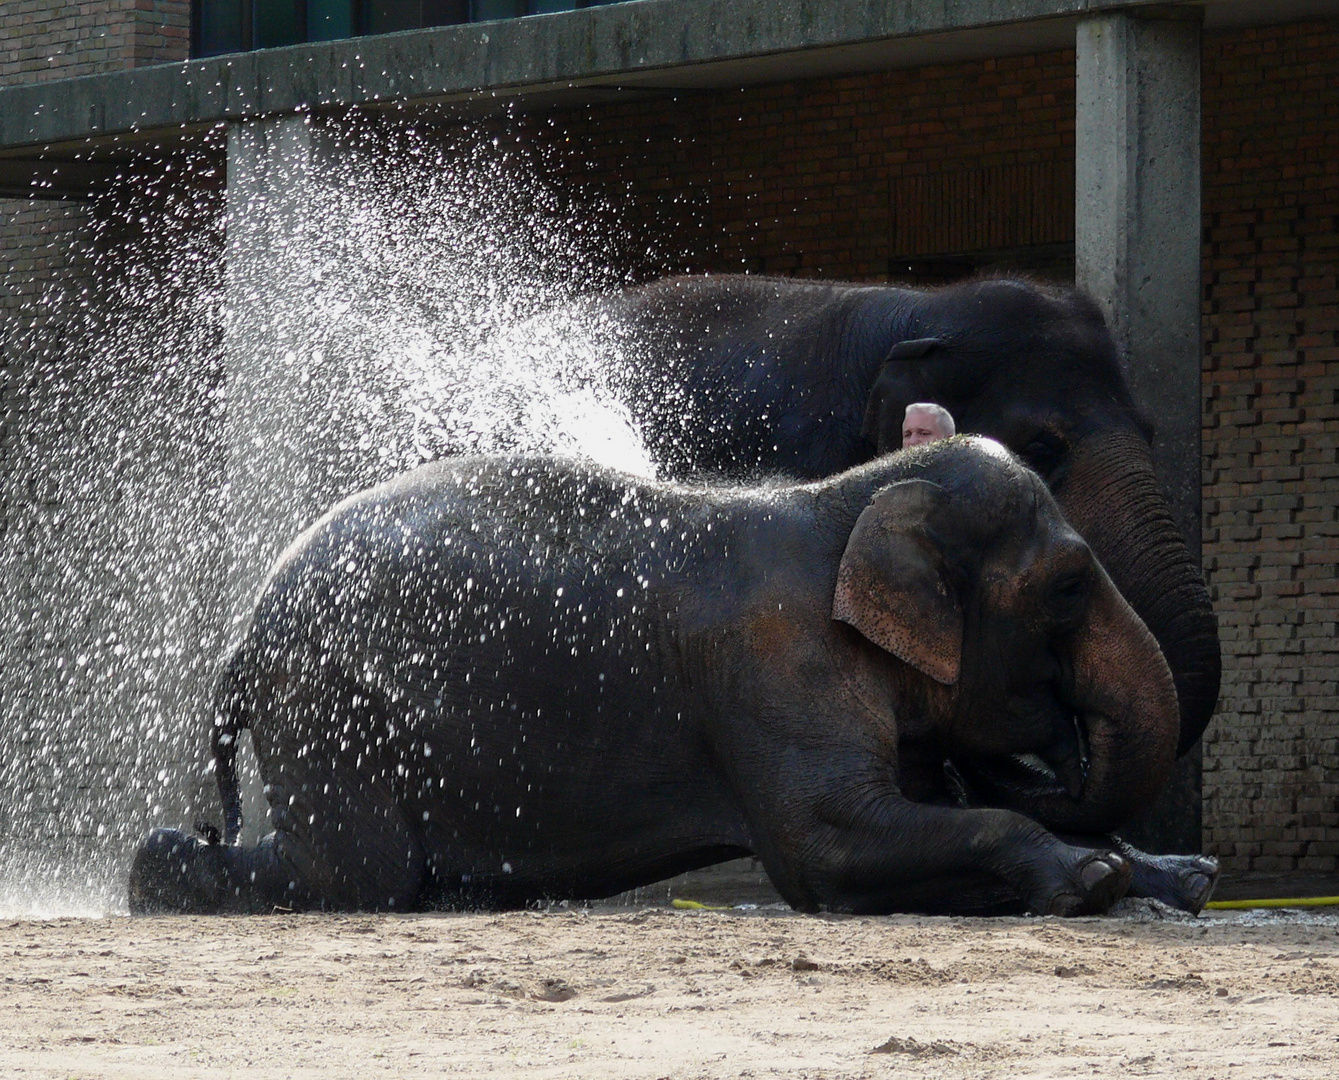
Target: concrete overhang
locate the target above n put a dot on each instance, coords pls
(63, 138)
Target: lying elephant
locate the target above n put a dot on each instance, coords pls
(732, 374)
(497, 681)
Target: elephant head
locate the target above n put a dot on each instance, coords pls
(1038, 370)
(1048, 693)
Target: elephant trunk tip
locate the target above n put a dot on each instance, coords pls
(1067, 757)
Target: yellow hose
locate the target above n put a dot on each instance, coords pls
(1296, 901)
(1216, 905)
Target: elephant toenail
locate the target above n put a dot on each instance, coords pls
(1063, 904)
(1095, 873)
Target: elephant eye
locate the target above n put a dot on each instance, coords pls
(1068, 599)
(1044, 452)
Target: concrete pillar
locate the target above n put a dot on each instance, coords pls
(283, 398)
(1137, 250)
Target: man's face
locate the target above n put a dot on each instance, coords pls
(920, 427)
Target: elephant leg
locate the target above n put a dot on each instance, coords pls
(173, 873)
(1184, 882)
(962, 895)
(902, 856)
(341, 840)
(1083, 882)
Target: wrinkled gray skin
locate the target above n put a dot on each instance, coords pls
(498, 681)
(736, 375)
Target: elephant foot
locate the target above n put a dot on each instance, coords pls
(1097, 882)
(1184, 882)
(173, 873)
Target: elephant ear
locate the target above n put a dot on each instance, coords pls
(882, 432)
(912, 350)
(892, 585)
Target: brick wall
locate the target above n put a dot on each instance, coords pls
(111, 497)
(50, 39)
(56, 39)
(1271, 443)
(807, 177)
(77, 713)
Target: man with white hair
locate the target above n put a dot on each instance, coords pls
(925, 423)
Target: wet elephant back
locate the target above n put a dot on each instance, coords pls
(743, 375)
(506, 623)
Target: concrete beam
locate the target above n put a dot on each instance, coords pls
(1137, 250)
(653, 43)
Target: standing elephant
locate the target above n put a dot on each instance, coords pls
(497, 681)
(733, 374)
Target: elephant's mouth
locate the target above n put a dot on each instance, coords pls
(1059, 770)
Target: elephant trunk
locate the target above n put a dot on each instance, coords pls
(1125, 693)
(1125, 704)
(1111, 497)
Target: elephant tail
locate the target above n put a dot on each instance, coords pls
(230, 718)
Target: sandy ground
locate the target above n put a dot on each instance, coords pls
(660, 993)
